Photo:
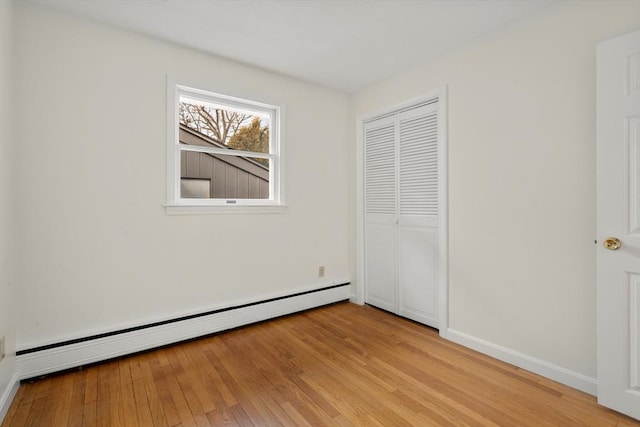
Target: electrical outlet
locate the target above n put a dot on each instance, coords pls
(1, 348)
(321, 271)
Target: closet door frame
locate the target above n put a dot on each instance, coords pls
(440, 95)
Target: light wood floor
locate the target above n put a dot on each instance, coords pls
(338, 365)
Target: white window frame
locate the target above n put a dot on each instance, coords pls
(177, 205)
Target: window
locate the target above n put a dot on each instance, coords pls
(224, 154)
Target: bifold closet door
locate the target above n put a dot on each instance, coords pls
(380, 213)
(401, 213)
(418, 223)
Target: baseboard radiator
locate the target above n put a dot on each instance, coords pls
(39, 361)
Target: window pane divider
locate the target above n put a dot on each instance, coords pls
(224, 151)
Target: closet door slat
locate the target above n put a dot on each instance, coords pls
(418, 165)
(380, 169)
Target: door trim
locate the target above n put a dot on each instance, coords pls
(440, 94)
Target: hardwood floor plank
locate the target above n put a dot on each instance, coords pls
(168, 405)
(151, 390)
(90, 398)
(76, 403)
(435, 414)
(272, 383)
(214, 376)
(127, 409)
(140, 400)
(191, 380)
(297, 418)
(292, 393)
(339, 365)
(31, 403)
(63, 406)
(52, 402)
(244, 382)
(188, 404)
(105, 396)
(222, 416)
(34, 413)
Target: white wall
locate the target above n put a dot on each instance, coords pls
(96, 251)
(7, 299)
(522, 177)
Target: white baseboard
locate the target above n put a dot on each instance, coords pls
(540, 367)
(7, 396)
(57, 359)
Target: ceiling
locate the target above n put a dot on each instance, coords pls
(342, 44)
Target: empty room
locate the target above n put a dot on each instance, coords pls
(319, 212)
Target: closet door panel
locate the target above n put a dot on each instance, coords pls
(380, 265)
(380, 213)
(418, 214)
(417, 274)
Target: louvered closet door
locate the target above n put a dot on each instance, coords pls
(418, 214)
(380, 192)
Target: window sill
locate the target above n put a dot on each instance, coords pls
(223, 209)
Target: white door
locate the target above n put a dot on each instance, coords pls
(380, 213)
(618, 209)
(418, 210)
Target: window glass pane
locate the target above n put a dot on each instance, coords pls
(191, 188)
(240, 129)
(231, 177)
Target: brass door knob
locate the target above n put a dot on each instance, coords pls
(612, 243)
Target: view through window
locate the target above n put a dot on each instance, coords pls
(228, 147)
